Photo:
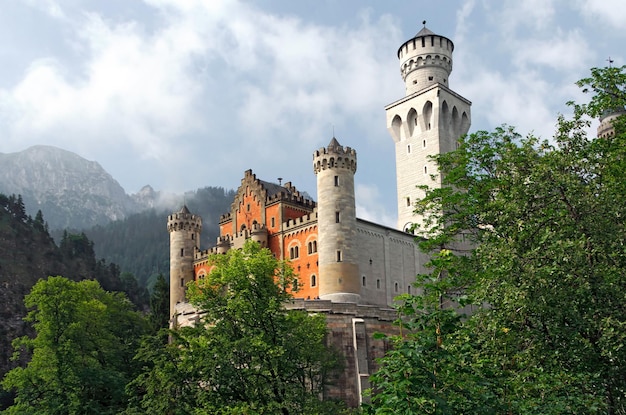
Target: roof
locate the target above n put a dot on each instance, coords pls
(334, 144)
(424, 32)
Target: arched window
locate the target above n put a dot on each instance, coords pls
(313, 280)
(294, 252)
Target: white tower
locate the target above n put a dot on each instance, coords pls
(429, 120)
(335, 166)
(184, 229)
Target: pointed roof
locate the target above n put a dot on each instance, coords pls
(334, 144)
(184, 209)
(424, 32)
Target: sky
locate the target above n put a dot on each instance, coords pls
(186, 94)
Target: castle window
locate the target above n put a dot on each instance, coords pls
(415, 81)
(395, 286)
(338, 256)
(336, 180)
(248, 207)
(408, 149)
(294, 252)
(296, 286)
(425, 170)
(423, 42)
(430, 78)
(312, 247)
(378, 284)
(313, 280)
(182, 282)
(182, 251)
(363, 280)
(193, 236)
(408, 289)
(408, 201)
(424, 143)
(273, 223)
(336, 217)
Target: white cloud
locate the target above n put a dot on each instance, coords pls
(612, 12)
(370, 206)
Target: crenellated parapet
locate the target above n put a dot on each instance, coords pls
(301, 222)
(335, 156)
(184, 221)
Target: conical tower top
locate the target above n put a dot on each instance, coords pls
(425, 60)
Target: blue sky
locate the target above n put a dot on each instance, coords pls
(186, 94)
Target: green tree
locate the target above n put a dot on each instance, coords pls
(548, 269)
(159, 305)
(82, 355)
(247, 354)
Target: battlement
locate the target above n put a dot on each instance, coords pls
(334, 156)
(184, 220)
(305, 220)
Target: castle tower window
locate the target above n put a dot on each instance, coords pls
(182, 251)
(336, 180)
(193, 236)
(378, 284)
(408, 201)
(313, 280)
(395, 286)
(182, 282)
(338, 256)
(424, 143)
(425, 170)
(408, 289)
(408, 149)
(273, 223)
(336, 217)
(363, 282)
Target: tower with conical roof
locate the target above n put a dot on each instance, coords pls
(184, 228)
(428, 120)
(335, 167)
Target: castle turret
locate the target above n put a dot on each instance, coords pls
(184, 229)
(428, 120)
(606, 128)
(335, 166)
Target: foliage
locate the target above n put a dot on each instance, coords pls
(247, 354)
(159, 305)
(82, 355)
(548, 270)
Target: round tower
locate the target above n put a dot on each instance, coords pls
(335, 166)
(606, 128)
(184, 229)
(425, 60)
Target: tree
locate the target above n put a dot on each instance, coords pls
(548, 270)
(159, 305)
(82, 355)
(247, 354)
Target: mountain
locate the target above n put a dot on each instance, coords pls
(71, 191)
(139, 243)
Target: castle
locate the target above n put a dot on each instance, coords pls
(348, 268)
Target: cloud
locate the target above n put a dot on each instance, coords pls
(612, 12)
(370, 206)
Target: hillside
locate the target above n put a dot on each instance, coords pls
(139, 244)
(29, 254)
